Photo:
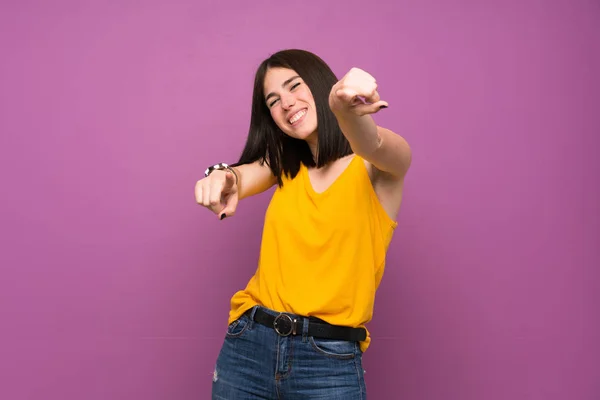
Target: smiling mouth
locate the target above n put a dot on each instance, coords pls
(297, 117)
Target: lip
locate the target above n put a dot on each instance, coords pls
(290, 114)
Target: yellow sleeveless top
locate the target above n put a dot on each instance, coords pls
(322, 254)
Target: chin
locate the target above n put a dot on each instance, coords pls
(300, 135)
(305, 133)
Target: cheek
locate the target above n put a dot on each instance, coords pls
(277, 117)
(307, 95)
(274, 114)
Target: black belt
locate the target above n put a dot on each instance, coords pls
(286, 324)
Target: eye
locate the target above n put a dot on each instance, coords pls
(295, 85)
(271, 104)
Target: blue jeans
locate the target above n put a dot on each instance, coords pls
(255, 362)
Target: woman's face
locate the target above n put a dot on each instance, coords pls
(291, 103)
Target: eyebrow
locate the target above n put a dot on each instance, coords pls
(287, 82)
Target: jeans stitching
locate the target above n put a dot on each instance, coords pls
(345, 356)
(360, 381)
(277, 375)
(289, 363)
(240, 333)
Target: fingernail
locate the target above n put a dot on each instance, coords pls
(383, 107)
(223, 216)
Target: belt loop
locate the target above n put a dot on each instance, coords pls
(304, 329)
(252, 316)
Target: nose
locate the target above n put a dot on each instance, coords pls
(288, 101)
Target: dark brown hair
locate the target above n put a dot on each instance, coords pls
(267, 143)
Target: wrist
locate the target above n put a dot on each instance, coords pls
(222, 167)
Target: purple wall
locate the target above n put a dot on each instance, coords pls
(115, 285)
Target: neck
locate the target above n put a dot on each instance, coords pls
(313, 144)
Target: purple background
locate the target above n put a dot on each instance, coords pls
(115, 285)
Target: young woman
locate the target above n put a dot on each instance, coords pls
(297, 331)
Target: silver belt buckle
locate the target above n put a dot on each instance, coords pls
(283, 324)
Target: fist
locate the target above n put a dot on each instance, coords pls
(357, 93)
(218, 192)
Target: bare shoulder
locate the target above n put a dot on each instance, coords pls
(388, 188)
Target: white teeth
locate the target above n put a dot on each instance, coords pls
(297, 116)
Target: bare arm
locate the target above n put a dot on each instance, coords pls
(384, 149)
(219, 192)
(253, 179)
